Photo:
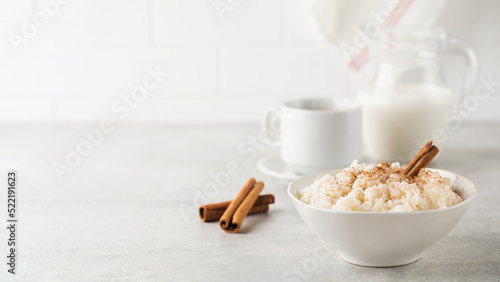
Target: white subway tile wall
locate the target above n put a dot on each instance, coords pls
(291, 71)
(15, 10)
(218, 22)
(227, 60)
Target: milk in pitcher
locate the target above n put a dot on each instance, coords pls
(406, 101)
(396, 122)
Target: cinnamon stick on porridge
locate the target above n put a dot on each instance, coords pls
(233, 217)
(421, 160)
(213, 212)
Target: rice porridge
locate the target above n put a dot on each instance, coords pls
(383, 187)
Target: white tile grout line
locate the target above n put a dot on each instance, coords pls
(218, 72)
(155, 101)
(53, 113)
(284, 26)
(153, 23)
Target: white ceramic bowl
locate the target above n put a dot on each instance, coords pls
(382, 239)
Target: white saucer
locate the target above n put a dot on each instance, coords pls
(273, 166)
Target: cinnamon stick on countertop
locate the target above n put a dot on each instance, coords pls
(213, 212)
(233, 217)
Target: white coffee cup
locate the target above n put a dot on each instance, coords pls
(316, 134)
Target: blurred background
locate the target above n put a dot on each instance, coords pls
(228, 60)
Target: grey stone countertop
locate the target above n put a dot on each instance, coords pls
(127, 210)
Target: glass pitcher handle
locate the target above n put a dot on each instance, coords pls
(456, 46)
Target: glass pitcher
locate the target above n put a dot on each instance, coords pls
(408, 102)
